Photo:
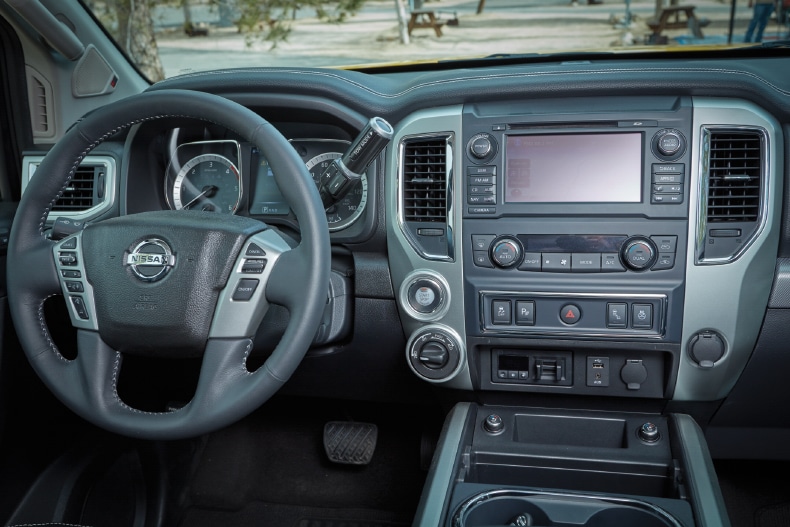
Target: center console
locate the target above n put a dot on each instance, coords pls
(578, 266)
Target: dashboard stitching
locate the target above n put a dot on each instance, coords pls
(45, 331)
(491, 77)
(115, 371)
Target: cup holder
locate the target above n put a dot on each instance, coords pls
(546, 509)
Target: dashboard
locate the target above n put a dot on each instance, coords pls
(616, 243)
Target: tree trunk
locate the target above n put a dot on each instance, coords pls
(141, 42)
(403, 21)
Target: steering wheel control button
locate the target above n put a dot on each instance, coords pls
(66, 273)
(648, 433)
(254, 251)
(506, 252)
(79, 307)
(570, 314)
(150, 260)
(556, 262)
(253, 266)
(639, 253)
(244, 290)
(501, 312)
(633, 374)
(426, 295)
(68, 258)
(74, 287)
(493, 424)
(617, 315)
(525, 313)
(71, 243)
(642, 316)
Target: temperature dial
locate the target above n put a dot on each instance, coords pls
(506, 252)
(638, 253)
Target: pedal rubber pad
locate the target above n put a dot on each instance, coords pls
(350, 443)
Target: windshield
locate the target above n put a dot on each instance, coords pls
(170, 37)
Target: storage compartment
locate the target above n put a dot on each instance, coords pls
(514, 507)
(570, 431)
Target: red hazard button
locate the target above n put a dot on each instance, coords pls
(570, 314)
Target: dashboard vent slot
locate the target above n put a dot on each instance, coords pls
(80, 193)
(425, 173)
(734, 177)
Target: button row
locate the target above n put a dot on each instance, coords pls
(561, 262)
(667, 181)
(481, 188)
(618, 314)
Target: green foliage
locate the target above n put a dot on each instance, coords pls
(270, 20)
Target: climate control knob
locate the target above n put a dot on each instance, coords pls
(506, 252)
(638, 253)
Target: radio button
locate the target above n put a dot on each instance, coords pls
(531, 262)
(610, 263)
(481, 200)
(482, 171)
(556, 262)
(667, 189)
(586, 262)
(482, 180)
(482, 189)
(482, 210)
(506, 252)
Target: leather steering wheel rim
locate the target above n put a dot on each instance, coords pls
(226, 390)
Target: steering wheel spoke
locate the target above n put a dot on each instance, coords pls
(243, 303)
(77, 290)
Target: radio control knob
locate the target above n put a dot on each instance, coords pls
(638, 254)
(669, 143)
(480, 146)
(506, 252)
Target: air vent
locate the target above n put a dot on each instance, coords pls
(425, 180)
(426, 195)
(39, 94)
(734, 177)
(80, 193)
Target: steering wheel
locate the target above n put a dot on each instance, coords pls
(167, 283)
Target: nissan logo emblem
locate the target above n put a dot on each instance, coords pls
(150, 260)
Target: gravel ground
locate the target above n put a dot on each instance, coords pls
(371, 36)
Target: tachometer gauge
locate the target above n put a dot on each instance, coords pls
(346, 211)
(208, 182)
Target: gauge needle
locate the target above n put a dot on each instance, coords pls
(208, 191)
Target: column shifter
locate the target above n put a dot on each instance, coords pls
(345, 172)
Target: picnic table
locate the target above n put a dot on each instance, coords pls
(677, 17)
(424, 18)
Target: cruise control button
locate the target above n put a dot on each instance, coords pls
(67, 273)
(71, 243)
(500, 312)
(255, 251)
(245, 289)
(570, 314)
(253, 266)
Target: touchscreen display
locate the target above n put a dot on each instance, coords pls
(578, 168)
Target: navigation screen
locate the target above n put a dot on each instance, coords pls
(577, 168)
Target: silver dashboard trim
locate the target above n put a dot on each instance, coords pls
(702, 204)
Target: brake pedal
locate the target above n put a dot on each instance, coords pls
(350, 443)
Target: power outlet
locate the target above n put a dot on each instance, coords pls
(598, 371)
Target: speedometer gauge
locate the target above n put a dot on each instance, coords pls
(208, 182)
(346, 211)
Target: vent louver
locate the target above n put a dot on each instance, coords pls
(735, 167)
(79, 195)
(425, 172)
(40, 109)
